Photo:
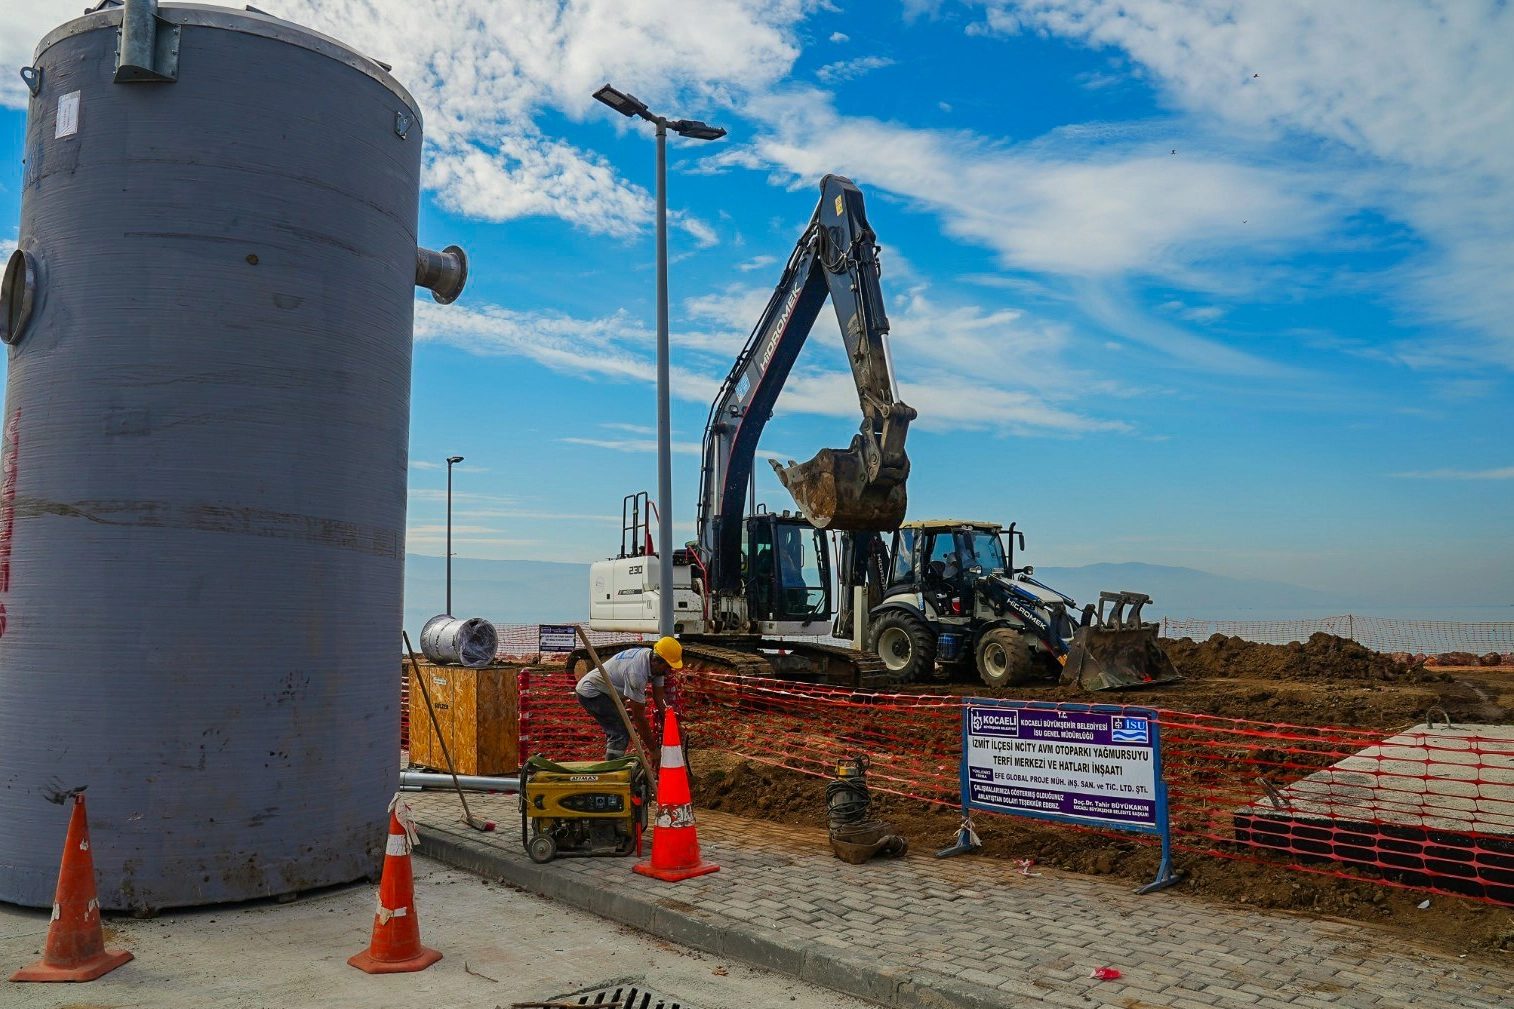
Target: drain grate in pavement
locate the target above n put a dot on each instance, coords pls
(624, 997)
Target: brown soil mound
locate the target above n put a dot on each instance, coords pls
(1327, 681)
(731, 784)
(1322, 657)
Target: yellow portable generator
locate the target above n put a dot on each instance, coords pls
(582, 807)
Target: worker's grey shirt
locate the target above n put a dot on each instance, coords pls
(629, 671)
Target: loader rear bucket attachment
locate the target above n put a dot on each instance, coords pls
(833, 492)
(1114, 650)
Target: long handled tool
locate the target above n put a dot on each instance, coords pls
(468, 817)
(641, 751)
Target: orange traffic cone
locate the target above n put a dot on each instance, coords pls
(396, 947)
(675, 842)
(75, 940)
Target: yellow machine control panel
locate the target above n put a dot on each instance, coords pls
(582, 808)
(549, 793)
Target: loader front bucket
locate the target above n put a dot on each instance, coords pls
(1114, 650)
(833, 492)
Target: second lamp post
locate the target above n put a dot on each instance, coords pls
(630, 105)
(451, 460)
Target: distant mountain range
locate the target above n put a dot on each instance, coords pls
(531, 592)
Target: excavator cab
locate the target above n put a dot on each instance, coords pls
(787, 570)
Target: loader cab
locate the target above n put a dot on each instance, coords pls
(786, 571)
(941, 560)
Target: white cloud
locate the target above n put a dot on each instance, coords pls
(1078, 206)
(1070, 205)
(757, 263)
(840, 37)
(610, 347)
(1018, 380)
(847, 70)
(634, 444)
(527, 175)
(486, 72)
(1503, 473)
(1413, 94)
(702, 233)
(483, 73)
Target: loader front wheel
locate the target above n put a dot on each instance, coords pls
(906, 645)
(1004, 659)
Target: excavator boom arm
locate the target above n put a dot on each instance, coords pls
(861, 487)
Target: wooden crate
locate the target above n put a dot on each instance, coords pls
(477, 711)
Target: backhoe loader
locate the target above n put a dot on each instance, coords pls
(946, 600)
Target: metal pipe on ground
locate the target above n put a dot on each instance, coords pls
(467, 782)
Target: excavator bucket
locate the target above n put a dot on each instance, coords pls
(833, 492)
(1114, 650)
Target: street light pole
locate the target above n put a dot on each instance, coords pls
(630, 105)
(664, 410)
(450, 461)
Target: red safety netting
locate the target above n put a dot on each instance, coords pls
(1442, 642)
(553, 724)
(518, 643)
(1429, 808)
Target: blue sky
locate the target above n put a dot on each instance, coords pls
(1222, 285)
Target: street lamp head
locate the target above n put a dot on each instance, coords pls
(454, 458)
(695, 130)
(626, 105)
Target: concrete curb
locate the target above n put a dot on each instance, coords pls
(686, 925)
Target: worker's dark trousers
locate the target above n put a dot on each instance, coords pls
(602, 708)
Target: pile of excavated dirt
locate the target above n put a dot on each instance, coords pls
(732, 784)
(1326, 681)
(1322, 657)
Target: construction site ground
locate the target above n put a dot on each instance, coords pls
(1326, 681)
(971, 931)
(288, 956)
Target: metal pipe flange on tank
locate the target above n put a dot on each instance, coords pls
(18, 293)
(442, 273)
(452, 641)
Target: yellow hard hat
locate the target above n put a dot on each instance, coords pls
(670, 651)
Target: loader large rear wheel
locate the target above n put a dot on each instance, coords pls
(906, 645)
(1004, 659)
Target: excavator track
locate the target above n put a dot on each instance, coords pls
(730, 660)
(843, 666)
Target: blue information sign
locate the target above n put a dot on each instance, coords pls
(1094, 764)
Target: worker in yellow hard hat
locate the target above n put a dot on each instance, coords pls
(630, 671)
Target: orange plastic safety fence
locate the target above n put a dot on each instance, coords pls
(1430, 808)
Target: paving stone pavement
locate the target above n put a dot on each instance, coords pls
(970, 932)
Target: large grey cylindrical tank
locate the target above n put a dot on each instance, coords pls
(206, 427)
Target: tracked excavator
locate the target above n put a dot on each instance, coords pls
(756, 583)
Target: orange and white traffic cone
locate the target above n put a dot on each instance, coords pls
(675, 842)
(396, 947)
(75, 948)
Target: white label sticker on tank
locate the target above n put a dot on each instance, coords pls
(68, 115)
